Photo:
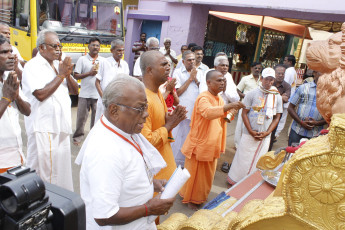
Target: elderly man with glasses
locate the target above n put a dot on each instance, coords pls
(118, 163)
(47, 84)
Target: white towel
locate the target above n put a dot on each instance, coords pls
(271, 102)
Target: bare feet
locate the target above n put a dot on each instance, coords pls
(192, 206)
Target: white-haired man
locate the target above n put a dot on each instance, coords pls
(187, 88)
(118, 163)
(169, 54)
(221, 64)
(152, 43)
(116, 66)
(261, 115)
(47, 84)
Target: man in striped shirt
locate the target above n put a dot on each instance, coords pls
(308, 122)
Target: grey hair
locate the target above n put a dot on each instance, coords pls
(41, 37)
(187, 52)
(221, 54)
(151, 40)
(147, 58)
(116, 42)
(115, 90)
(218, 59)
(167, 39)
(4, 24)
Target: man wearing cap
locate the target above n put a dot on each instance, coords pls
(260, 117)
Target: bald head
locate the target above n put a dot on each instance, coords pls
(116, 91)
(211, 74)
(148, 59)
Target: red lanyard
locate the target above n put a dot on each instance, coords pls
(136, 146)
(94, 59)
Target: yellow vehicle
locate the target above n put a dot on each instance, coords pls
(75, 21)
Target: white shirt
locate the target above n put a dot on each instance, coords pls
(172, 53)
(230, 94)
(122, 68)
(179, 64)
(10, 136)
(137, 70)
(112, 175)
(189, 96)
(54, 113)
(291, 78)
(203, 68)
(87, 86)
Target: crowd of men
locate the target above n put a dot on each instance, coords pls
(173, 111)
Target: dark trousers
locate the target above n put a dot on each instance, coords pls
(84, 107)
(294, 137)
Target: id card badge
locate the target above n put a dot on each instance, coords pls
(261, 119)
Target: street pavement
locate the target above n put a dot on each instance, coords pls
(219, 183)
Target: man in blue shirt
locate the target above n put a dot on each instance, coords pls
(308, 122)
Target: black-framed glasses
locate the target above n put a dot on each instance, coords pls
(54, 46)
(140, 110)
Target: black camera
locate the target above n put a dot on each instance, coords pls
(28, 203)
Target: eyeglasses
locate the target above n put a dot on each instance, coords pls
(140, 110)
(153, 48)
(54, 46)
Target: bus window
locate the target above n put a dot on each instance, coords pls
(6, 5)
(22, 7)
(6, 11)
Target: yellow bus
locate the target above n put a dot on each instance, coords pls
(75, 21)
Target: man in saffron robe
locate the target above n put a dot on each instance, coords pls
(158, 125)
(206, 140)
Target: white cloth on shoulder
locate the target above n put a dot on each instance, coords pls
(271, 108)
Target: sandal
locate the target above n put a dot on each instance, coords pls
(225, 167)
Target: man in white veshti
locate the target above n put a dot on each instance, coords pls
(110, 72)
(47, 84)
(187, 88)
(264, 107)
(118, 163)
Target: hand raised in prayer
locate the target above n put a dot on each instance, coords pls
(173, 119)
(157, 206)
(159, 185)
(193, 74)
(10, 89)
(171, 85)
(66, 67)
(16, 61)
(93, 71)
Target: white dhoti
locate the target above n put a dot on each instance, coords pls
(239, 128)
(282, 122)
(247, 155)
(99, 110)
(50, 155)
(180, 133)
